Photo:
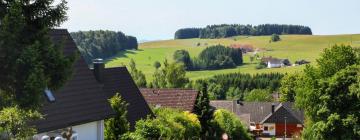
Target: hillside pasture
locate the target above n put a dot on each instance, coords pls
(292, 47)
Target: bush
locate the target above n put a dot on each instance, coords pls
(227, 122)
(258, 95)
(261, 65)
(168, 124)
(275, 37)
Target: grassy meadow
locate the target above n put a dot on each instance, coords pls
(293, 47)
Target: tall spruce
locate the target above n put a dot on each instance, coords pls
(204, 111)
(30, 61)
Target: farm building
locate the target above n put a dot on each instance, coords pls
(266, 118)
(275, 62)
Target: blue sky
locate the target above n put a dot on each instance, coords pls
(159, 19)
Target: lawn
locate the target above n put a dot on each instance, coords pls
(293, 47)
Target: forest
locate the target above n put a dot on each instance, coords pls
(238, 85)
(229, 30)
(102, 44)
(211, 58)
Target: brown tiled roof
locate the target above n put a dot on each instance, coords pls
(80, 100)
(183, 99)
(118, 80)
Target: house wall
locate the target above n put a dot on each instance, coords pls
(270, 129)
(291, 129)
(272, 65)
(88, 131)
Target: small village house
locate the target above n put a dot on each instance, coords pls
(266, 118)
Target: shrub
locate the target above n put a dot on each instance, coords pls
(275, 37)
(227, 122)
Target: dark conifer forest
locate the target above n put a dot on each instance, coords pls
(229, 30)
(102, 44)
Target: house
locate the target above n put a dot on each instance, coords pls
(266, 118)
(82, 103)
(183, 99)
(275, 62)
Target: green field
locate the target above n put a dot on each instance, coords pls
(293, 47)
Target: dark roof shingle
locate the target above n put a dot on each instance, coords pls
(80, 100)
(118, 80)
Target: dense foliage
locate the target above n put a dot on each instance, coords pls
(258, 95)
(168, 124)
(275, 38)
(137, 75)
(213, 57)
(183, 56)
(102, 44)
(187, 33)
(204, 111)
(30, 61)
(227, 122)
(226, 30)
(169, 76)
(14, 123)
(118, 125)
(237, 85)
(329, 95)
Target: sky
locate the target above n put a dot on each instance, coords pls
(159, 19)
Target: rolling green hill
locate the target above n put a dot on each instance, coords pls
(293, 47)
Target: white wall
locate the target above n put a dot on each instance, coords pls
(88, 131)
(271, 128)
(271, 65)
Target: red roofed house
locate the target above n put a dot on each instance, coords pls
(266, 118)
(183, 99)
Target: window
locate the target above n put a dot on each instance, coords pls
(266, 128)
(45, 137)
(49, 95)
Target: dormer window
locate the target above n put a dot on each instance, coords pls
(49, 95)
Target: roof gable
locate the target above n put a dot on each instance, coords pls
(279, 116)
(183, 99)
(80, 100)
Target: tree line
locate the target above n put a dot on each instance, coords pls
(102, 44)
(229, 30)
(213, 57)
(238, 85)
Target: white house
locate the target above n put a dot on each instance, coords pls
(277, 63)
(81, 105)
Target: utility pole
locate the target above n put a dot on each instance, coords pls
(285, 128)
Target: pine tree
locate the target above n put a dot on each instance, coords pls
(204, 111)
(30, 61)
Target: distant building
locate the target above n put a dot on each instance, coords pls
(275, 62)
(183, 99)
(82, 103)
(266, 118)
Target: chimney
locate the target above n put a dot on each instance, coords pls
(99, 67)
(272, 108)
